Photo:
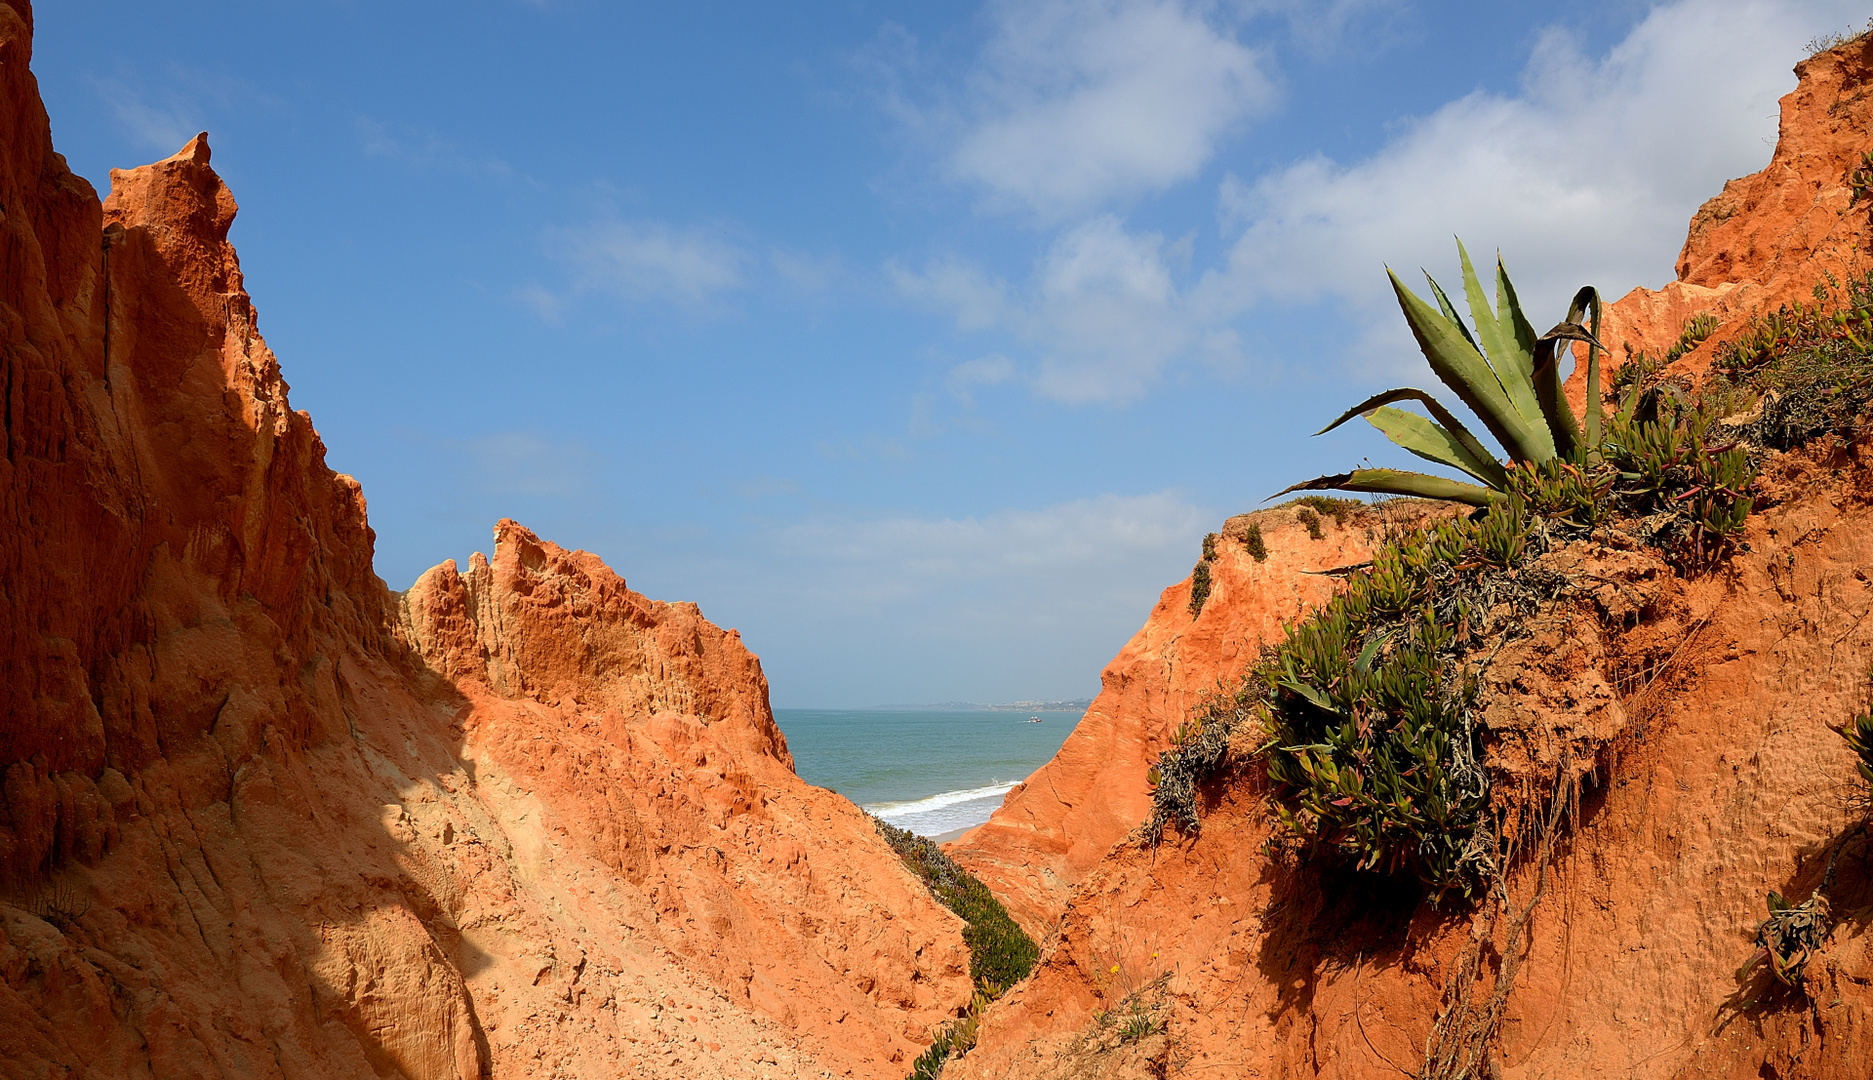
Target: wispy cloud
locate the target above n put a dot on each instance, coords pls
(804, 272)
(982, 371)
(1061, 553)
(155, 120)
(163, 109)
(525, 464)
(426, 150)
(1102, 313)
(647, 262)
(1588, 173)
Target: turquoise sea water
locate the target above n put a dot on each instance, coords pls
(929, 772)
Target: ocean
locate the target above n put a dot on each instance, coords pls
(931, 772)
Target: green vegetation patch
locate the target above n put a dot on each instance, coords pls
(1641, 366)
(1328, 506)
(1200, 581)
(1859, 736)
(1000, 952)
(1805, 370)
(1253, 543)
(1365, 717)
(953, 1039)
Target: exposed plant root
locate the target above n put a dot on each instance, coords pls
(1461, 1040)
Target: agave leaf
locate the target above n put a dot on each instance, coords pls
(1449, 309)
(1596, 412)
(1396, 482)
(1318, 699)
(1519, 336)
(1481, 463)
(1459, 366)
(1434, 443)
(1363, 663)
(1513, 368)
(1548, 351)
(1509, 313)
(1488, 330)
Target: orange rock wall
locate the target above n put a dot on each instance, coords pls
(259, 817)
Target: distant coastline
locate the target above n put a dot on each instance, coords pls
(1071, 705)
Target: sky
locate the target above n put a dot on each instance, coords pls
(920, 342)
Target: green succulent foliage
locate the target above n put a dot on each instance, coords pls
(1366, 712)
(1502, 371)
(1859, 736)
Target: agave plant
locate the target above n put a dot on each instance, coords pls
(1503, 372)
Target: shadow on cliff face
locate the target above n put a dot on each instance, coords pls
(1318, 918)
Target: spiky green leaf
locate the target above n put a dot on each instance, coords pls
(1509, 312)
(1396, 482)
(1477, 460)
(1459, 366)
(1449, 309)
(1434, 443)
(1596, 411)
(1513, 370)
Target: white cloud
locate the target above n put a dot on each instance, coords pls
(1107, 316)
(976, 300)
(649, 261)
(1588, 174)
(982, 371)
(854, 609)
(426, 150)
(804, 272)
(1320, 25)
(1076, 103)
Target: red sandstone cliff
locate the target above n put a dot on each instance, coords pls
(1705, 705)
(1768, 238)
(262, 818)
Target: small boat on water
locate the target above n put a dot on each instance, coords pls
(1034, 719)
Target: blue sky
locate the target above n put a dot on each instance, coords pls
(920, 342)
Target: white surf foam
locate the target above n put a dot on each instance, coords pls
(899, 813)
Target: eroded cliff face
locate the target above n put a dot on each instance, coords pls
(1697, 709)
(1057, 825)
(263, 818)
(1706, 706)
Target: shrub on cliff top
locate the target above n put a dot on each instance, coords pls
(1200, 581)
(1253, 543)
(1366, 713)
(1328, 506)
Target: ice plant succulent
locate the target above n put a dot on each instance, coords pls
(1503, 372)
